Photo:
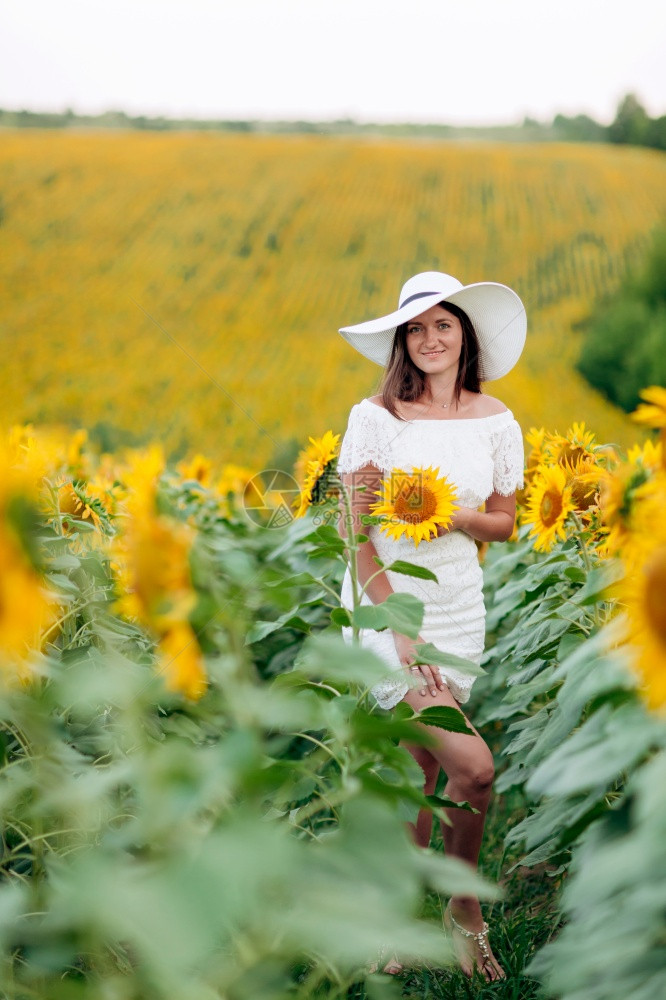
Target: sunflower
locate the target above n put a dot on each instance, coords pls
(35, 454)
(584, 477)
(181, 662)
(234, 479)
(150, 560)
(548, 506)
(197, 468)
(536, 439)
(415, 503)
(643, 594)
(77, 461)
(652, 413)
(315, 472)
(151, 552)
(107, 492)
(26, 606)
(141, 478)
(650, 455)
(576, 444)
(237, 484)
(81, 502)
(622, 490)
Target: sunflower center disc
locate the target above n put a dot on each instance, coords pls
(582, 494)
(655, 594)
(416, 506)
(551, 508)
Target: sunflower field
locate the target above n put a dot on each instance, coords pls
(193, 775)
(189, 287)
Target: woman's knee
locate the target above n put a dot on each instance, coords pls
(475, 771)
(482, 777)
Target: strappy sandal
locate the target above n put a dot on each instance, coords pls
(481, 939)
(392, 967)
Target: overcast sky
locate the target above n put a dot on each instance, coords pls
(468, 61)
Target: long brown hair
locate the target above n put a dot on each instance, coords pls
(403, 380)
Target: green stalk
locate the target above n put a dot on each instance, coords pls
(330, 590)
(57, 516)
(587, 562)
(371, 578)
(352, 548)
(581, 541)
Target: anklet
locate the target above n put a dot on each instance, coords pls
(481, 937)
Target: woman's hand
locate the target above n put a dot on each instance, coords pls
(459, 522)
(430, 676)
(493, 523)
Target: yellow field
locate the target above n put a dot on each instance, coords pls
(188, 287)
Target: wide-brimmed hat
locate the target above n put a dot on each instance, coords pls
(496, 312)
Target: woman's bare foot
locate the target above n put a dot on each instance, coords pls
(469, 936)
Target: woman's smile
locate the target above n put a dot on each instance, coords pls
(433, 334)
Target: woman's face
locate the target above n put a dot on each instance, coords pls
(434, 341)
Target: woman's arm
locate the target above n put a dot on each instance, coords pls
(494, 524)
(370, 477)
(379, 588)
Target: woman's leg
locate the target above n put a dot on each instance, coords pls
(468, 764)
(421, 831)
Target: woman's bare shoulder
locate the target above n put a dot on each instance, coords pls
(377, 400)
(488, 406)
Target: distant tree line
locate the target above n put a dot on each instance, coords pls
(632, 126)
(624, 344)
(112, 119)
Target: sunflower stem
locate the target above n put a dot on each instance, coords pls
(352, 548)
(353, 545)
(57, 515)
(372, 577)
(581, 541)
(587, 562)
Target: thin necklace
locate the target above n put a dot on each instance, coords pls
(444, 406)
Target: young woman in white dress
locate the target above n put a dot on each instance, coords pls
(441, 343)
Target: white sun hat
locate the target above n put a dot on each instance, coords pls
(496, 312)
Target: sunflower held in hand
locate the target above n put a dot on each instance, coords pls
(413, 504)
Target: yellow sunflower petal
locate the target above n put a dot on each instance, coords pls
(653, 411)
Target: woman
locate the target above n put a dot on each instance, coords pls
(437, 348)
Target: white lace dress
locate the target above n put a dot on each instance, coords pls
(480, 455)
